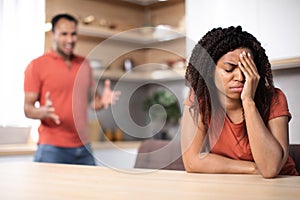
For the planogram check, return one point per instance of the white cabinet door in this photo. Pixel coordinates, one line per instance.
(275, 23)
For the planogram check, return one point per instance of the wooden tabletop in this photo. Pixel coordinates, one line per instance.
(56, 181)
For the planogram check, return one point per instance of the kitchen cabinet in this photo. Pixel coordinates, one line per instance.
(280, 40)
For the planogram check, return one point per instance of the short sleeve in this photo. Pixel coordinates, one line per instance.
(31, 78)
(279, 106)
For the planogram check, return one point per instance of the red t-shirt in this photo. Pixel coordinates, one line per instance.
(233, 143)
(69, 88)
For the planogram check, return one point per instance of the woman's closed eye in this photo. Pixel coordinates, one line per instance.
(229, 70)
(230, 66)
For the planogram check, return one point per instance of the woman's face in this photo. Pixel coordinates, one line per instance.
(229, 79)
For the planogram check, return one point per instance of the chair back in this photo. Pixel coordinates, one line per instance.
(159, 154)
(295, 154)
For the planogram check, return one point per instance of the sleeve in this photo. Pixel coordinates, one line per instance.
(279, 106)
(32, 81)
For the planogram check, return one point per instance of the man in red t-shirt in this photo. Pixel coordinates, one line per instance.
(62, 83)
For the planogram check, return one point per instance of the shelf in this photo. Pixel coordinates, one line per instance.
(94, 31)
(283, 64)
(144, 35)
(140, 76)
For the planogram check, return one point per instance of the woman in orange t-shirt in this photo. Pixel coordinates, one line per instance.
(234, 119)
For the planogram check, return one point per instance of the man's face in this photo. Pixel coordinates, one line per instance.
(65, 37)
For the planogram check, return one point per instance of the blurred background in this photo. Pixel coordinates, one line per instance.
(142, 46)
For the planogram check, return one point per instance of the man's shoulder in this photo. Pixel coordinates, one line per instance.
(46, 56)
(42, 61)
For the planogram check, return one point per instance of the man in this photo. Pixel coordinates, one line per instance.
(62, 83)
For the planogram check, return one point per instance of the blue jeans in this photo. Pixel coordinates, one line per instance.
(51, 154)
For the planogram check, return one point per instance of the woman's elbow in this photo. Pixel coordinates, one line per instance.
(189, 165)
(188, 168)
(271, 170)
(269, 173)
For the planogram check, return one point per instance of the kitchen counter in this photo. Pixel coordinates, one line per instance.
(119, 155)
(29, 149)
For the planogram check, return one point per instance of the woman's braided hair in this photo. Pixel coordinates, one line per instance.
(201, 68)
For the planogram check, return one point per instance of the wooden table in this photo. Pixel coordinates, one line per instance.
(55, 181)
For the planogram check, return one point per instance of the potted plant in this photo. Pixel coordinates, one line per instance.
(170, 112)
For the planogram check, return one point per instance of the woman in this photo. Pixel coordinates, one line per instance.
(234, 120)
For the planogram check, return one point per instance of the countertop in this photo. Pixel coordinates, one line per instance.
(29, 149)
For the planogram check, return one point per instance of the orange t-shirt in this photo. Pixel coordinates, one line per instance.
(233, 143)
(69, 88)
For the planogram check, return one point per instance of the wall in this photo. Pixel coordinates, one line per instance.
(172, 15)
(274, 22)
(288, 80)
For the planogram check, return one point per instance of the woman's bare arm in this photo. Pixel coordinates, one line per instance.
(192, 139)
(269, 145)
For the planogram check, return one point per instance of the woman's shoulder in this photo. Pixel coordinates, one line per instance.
(278, 91)
(279, 105)
(279, 96)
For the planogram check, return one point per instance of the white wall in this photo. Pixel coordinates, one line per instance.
(288, 81)
(275, 23)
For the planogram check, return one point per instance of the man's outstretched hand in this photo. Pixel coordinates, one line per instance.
(107, 97)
